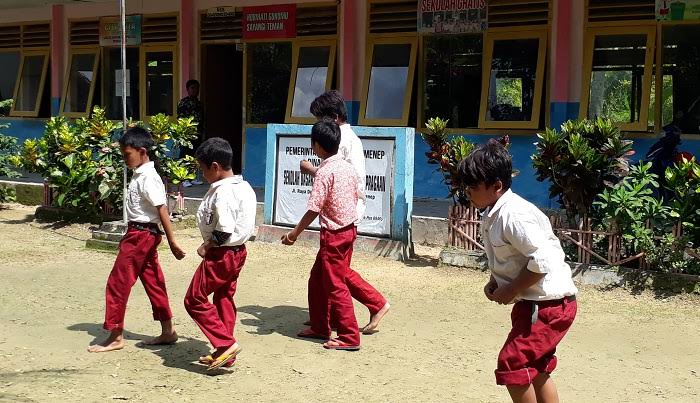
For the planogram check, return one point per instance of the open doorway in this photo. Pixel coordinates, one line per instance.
(222, 94)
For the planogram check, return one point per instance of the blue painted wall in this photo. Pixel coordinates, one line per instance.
(255, 154)
(23, 128)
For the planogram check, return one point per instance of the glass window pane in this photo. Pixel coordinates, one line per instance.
(512, 81)
(681, 71)
(29, 83)
(310, 82)
(388, 81)
(79, 82)
(616, 77)
(10, 64)
(453, 74)
(113, 79)
(159, 83)
(269, 71)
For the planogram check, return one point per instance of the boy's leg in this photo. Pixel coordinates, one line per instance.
(122, 277)
(336, 257)
(318, 303)
(223, 297)
(153, 282)
(368, 296)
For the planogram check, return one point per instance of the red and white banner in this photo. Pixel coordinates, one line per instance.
(269, 22)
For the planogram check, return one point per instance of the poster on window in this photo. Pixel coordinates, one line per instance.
(270, 22)
(119, 81)
(677, 10)
(452, 16)
(293, 188)
(110, 31)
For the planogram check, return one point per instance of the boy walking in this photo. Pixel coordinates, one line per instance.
(334, 199)
(330, 105)
(528, 268)
(226, 219)
(138, 250)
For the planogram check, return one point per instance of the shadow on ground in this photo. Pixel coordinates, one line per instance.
(181, 355)
(286, 320)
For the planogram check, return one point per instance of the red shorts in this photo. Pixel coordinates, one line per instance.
(529, 349)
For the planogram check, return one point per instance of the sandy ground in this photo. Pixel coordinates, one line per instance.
(438, 343)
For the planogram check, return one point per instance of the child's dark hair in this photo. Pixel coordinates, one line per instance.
(487, 163)
(326, 133)
(137, 137)
(213, 150)
(330, 104)
(191, 83)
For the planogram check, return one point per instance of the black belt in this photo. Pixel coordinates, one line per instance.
(146, 226)
(536, 305)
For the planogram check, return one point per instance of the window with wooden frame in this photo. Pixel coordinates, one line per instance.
(158, 75)
(513, 79)
(112, 78)
(31, 78)
(80, 82)
(268, 68)
(617, 74)
(10, 58)
(313, 63)
(388, 87)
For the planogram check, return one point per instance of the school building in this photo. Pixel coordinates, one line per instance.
(491, 67)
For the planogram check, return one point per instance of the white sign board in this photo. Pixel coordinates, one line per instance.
(292, 187)
(118, 80)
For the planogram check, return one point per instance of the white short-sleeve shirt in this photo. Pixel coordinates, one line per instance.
(146, 193)
(352, 151)
(518, 236)
(229, 206)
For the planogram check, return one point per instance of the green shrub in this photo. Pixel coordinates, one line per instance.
(8, 146)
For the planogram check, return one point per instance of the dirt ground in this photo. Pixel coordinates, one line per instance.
(438, 343)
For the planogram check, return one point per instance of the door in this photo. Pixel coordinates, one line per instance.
(222, 94)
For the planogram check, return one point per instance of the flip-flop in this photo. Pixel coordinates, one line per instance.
(341, 346)
(310, 334)
(224, 359)
(208, 360)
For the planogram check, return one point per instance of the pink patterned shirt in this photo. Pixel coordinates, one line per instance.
(334, 194)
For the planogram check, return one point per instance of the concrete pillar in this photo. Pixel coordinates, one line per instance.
(566, 58)
(58, 47)
(187, 43)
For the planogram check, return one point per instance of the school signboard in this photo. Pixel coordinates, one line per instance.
(452, 16)
(292, 187)
(270, 22)
(110, 31)
(677, 10)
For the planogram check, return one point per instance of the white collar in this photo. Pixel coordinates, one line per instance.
(145, 167)
(231, 179)
(500, 202)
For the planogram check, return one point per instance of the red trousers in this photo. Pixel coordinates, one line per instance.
(217, 274)
(137, 259)
(529, 349)
(329, 275)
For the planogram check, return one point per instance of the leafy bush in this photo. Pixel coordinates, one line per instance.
(683, 180)
(7, 147)
(83, 162)
(580, 161)
(6, 106)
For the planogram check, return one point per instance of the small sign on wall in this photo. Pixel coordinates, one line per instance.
(269, 22)
(452, 16)
(110, 31)
(221, 12)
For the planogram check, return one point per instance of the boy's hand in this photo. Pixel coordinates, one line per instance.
(289, 238)
(489, 288)
(307, 167)
(177, 251)
(504, 295)
(202, 250)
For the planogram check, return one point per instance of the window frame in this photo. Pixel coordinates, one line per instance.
(19, 52)
(143, 90)
(296, 48)
(490, 38)
(42, 82)
(93, 50)
(588, 46)
(388, 39)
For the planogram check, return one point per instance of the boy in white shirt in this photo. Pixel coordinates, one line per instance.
(528, 268)
(138, 250)
(226, 219)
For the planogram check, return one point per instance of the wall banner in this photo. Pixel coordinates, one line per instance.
(452, 16)
(269, 22)
(292, 187)
(677, 10)
(110, 34)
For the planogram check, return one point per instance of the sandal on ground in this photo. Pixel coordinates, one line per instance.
(224, 359)
(339, 345)
(208, 360)
(310, 334)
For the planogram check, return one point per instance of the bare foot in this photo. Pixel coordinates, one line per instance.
(163, 339)
(371, 327)
(114, 342)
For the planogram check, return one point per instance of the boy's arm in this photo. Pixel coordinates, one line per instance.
(507, 293)
(168, 228)
(306, 220)
(307, 167)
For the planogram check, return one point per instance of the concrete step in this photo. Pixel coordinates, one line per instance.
(103, 245)
(107, 236)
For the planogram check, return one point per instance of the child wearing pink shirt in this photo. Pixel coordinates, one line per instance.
(334, 200)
